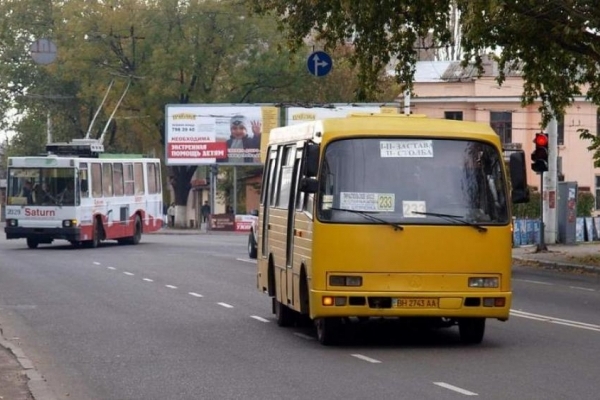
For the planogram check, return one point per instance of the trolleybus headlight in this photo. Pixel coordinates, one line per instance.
(69, 223)
(12, 222)
(342, 280)
(481, 282)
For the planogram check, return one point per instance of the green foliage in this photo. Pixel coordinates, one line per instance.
(225, 186)
(530, 210)
(553, 45)
(586, 204)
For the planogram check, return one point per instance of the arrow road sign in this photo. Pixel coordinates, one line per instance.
(319, 63)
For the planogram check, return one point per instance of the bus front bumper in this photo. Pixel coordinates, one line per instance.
(43, 234)
(486, 304)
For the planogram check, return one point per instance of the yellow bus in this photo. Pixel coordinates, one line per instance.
(379, 215)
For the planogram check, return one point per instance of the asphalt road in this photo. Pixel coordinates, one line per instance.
(179, 317)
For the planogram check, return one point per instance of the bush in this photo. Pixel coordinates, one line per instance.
(585, 204)
(530, 210)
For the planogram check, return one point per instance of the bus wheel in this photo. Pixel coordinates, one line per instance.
(328, 330)
(283, 314)
(471, 330)
(32, 243)
(137, 233)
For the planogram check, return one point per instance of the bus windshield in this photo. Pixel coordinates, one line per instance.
(42, 187)
(412, 181)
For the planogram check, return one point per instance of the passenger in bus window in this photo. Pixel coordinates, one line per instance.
(27, 192)
(67, 196)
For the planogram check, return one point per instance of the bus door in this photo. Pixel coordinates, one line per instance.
(294, 170)
(267, 201)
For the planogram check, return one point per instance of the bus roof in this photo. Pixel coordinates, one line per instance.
(53, 161)
(359, 124)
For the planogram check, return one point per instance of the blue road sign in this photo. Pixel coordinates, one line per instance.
(319, 63)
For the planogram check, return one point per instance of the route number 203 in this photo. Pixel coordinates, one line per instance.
(410, 207)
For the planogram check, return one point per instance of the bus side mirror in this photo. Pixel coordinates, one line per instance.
(518, 178)
(309, 185)
(311, 160)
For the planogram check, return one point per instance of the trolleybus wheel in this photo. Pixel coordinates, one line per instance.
(471, 330)
(328, 330)
(137, 233)
(32, 243)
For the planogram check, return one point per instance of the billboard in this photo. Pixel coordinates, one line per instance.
(229, 134)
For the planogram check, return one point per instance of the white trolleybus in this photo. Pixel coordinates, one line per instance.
(80, 194)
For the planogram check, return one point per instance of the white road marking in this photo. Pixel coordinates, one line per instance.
(112, 268)
(558, 321)
(261, 319)
(303, 336)
(96, 263)
(365, 358)
(171, 286)
(583, 288)
(195, 294)
(225, 305)
(455, 389)
(148, 280)
(536, 282)
(128, 273)
(248, 260)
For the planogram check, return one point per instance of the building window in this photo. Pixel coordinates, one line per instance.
(597, 179)
(501, 123)
(457, 115)
(560, 131)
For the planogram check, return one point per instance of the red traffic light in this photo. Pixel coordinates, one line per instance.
(541, 139)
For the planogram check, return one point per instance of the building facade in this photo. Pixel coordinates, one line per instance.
(446, 90)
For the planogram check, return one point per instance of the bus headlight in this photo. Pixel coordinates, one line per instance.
(12, 222)
(69, 223)
(483, 282)
(343, 280)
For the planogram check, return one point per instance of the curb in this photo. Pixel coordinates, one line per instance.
(558, 265)
(35, 381)
(184, 232)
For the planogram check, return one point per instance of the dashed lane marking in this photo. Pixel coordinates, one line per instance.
(225, 305)
(365, 358)
(96, 263)
(261, 319)
(171, 286)
(195, 294)
(455, 389)
(247, 260)
(148, 280)
(128, 273)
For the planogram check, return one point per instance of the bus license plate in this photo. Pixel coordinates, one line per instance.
(416, 303)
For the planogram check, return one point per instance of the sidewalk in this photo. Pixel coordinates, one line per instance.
(579, 257)
(192, 231)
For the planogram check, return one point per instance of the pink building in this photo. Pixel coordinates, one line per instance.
(445, 90)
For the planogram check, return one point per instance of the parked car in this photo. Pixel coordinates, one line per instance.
(253, 236)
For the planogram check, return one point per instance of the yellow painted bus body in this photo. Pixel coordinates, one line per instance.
(419, 271)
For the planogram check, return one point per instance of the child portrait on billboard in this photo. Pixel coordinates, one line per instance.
(241, 146)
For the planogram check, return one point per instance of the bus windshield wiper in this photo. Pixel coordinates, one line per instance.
(455, 218)
(367, 215)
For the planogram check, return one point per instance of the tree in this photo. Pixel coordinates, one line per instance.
(555, 45)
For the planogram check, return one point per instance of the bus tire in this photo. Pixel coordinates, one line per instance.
(283, 314)
(328, 330)
(471, 330)
(137, 231)
(252, 249)
(32, 243)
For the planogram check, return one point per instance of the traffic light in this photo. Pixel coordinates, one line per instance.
(539, 157)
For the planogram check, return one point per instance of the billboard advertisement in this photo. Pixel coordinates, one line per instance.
(229, 134)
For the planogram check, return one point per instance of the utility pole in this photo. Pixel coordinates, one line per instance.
(550, 185)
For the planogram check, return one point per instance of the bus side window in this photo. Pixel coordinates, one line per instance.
(83, 180)
(138, 178)
(97, 180)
